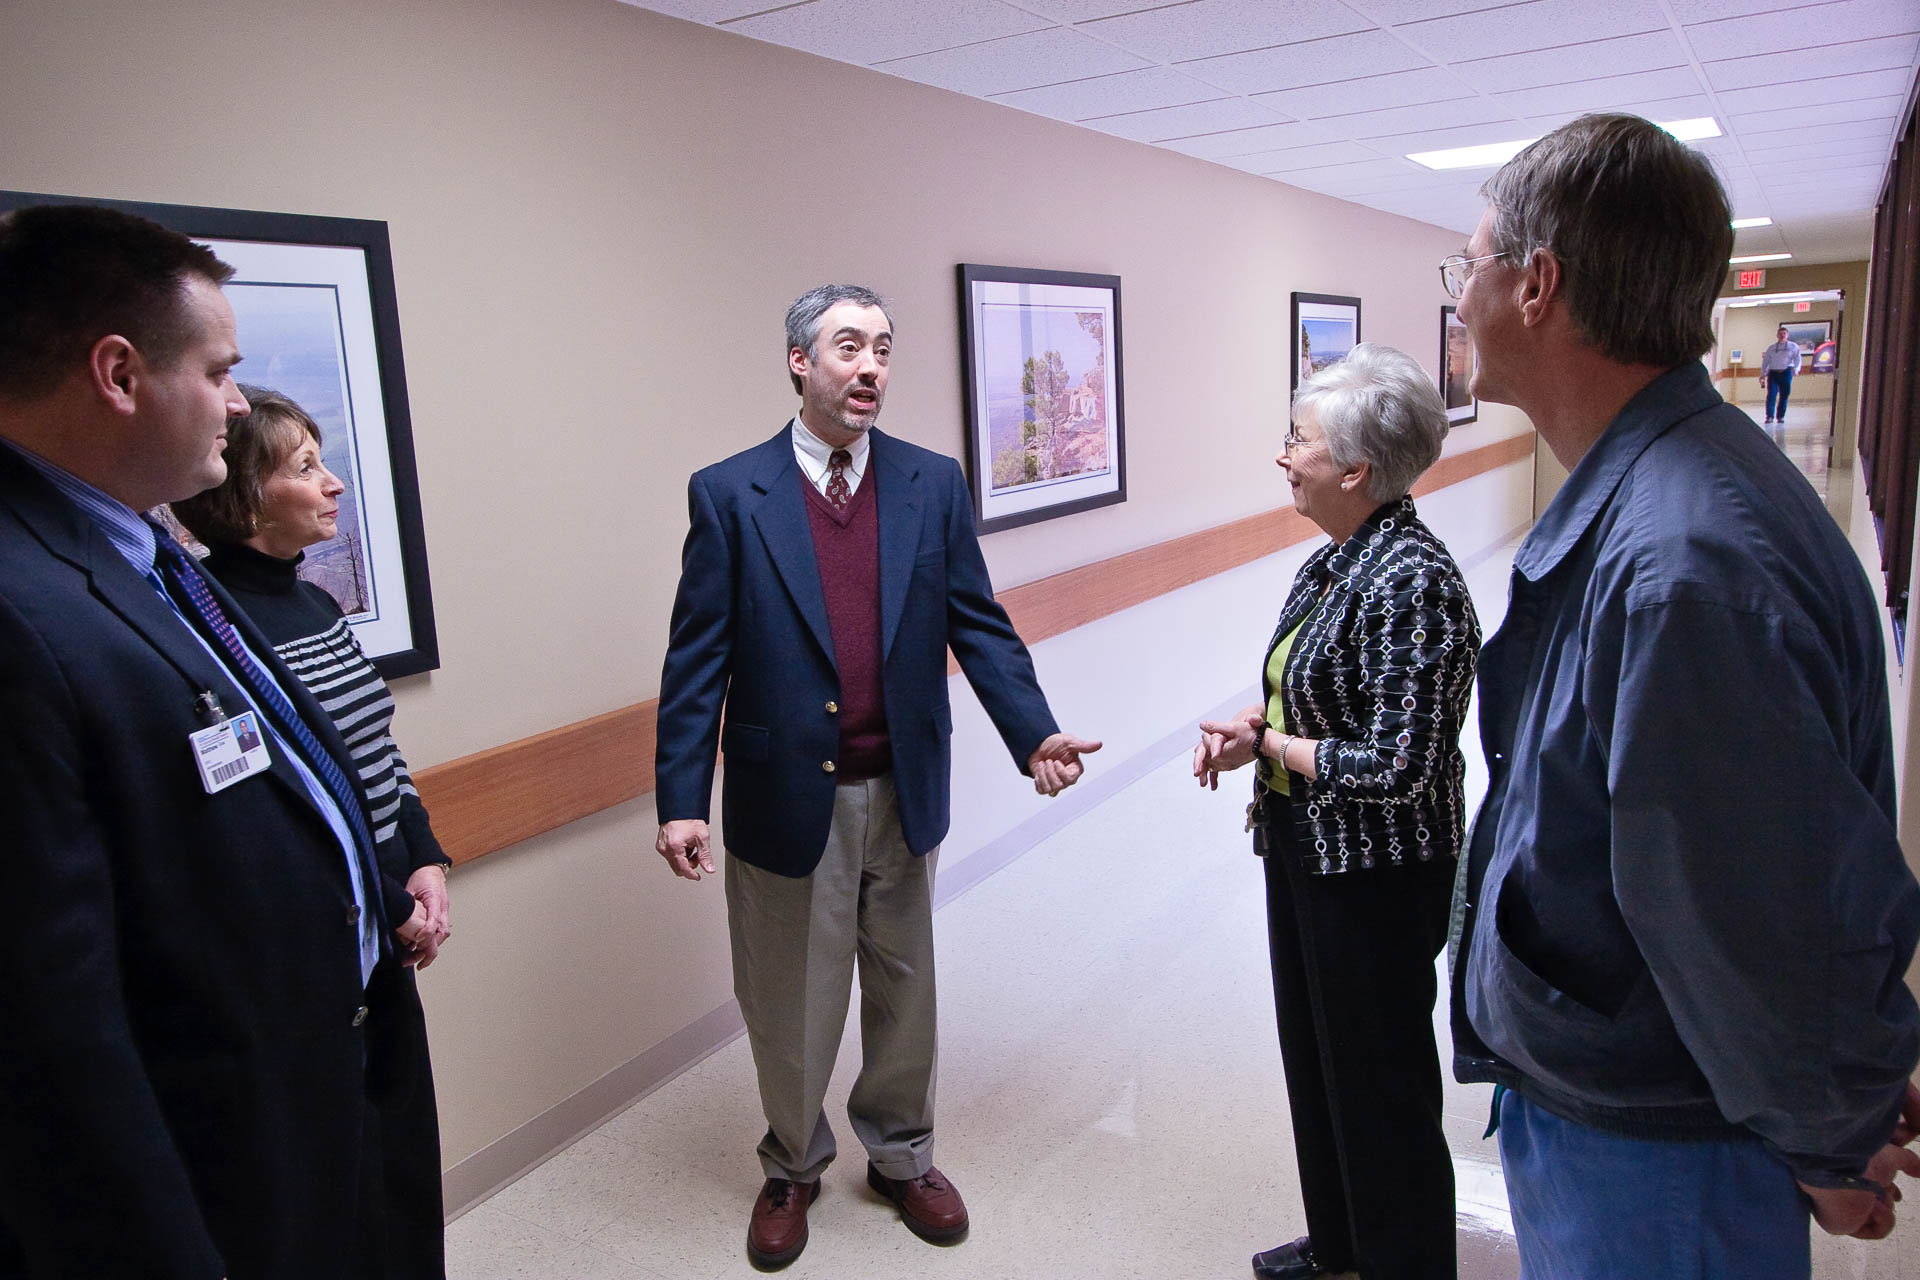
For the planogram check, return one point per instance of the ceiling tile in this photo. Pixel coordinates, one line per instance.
(1537, 25)
(1841, 112)
(1303, 157)
(1603, 94)
(1240, 142)
(1368, 53)
(1392, 12)
(700, 10)
(1015, 62)
(1187, 122)
(1467, 136)
(1431, 115)
(1798, 28)
(1889, 53)
(1709, 10)
(1834, 176)
(870, 31)
(1849, 131)
(1109, 95)
(1820, 150)
(1370, 93)
(1377, 178)
(1805, 93)
(1204, 28)
(1082, 10)
(1615, 57)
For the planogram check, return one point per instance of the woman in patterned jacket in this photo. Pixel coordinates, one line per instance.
(277, 500)
(1358, 811)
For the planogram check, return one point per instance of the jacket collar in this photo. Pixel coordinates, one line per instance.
(1344, 559)
(1675, 395)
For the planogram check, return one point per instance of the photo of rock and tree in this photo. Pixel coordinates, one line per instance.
(1046, 390)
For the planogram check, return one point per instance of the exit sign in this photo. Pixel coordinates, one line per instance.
(1802, 306)
(1750, 280)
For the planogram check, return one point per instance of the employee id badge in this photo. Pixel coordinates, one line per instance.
(229, 751)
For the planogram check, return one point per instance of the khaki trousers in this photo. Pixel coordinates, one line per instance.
(794, 946)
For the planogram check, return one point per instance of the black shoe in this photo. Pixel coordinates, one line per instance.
(1288, 1262)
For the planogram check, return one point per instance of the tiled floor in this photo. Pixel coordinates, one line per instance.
(1804, 436)
(1110, 1096)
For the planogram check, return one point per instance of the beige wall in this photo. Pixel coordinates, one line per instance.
(598, 215)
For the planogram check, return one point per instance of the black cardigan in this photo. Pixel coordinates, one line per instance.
(1381, 673)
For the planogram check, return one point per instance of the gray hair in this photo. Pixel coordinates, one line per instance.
(1639, 223)
(1377, 406)
(803, 317)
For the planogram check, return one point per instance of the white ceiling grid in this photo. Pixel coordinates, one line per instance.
(1331, 95)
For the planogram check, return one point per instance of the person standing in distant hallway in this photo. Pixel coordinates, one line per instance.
(1778, 365)
(825, 576)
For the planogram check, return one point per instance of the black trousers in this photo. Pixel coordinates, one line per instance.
(1353, 985)
(402, 1220)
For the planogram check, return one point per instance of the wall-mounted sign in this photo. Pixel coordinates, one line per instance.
(1802, 306)
(1755, 279)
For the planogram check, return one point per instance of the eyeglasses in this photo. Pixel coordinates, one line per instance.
(1292, 440)
(1455, 271)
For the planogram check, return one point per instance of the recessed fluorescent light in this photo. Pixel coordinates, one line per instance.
(1758, 257)
(1693, 130)
(1742, 223)
(1490, 154)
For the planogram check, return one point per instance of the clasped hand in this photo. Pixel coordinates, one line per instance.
(1226, 745)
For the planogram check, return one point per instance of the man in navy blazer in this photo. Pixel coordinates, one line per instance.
(826, 574)
(182, 1088)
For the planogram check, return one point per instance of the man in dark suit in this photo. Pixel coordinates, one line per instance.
(188, 937)
(825, 576)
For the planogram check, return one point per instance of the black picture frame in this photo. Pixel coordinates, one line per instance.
(353, 258)
(1063, 327)
(1334, 315)
(1457, 358)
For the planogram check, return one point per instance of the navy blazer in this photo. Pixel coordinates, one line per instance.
(750, 630)
(182, 1089)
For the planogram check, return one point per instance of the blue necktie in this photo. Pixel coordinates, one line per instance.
(182, 572)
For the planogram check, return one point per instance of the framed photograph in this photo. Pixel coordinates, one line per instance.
(1040, 367)
(314, 304)
(1456, 368)
(1325, 327)
(1812, 335)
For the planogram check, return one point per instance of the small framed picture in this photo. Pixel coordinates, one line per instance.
(1456, 368)
(1040, 366)
(1325, 327)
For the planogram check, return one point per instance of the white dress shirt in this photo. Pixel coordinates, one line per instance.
(813, 455)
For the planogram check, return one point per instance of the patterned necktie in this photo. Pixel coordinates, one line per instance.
(182, 573)
(839, 492)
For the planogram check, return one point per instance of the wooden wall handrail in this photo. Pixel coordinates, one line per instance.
(506, 794)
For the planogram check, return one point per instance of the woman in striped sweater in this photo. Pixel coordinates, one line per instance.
(277, 500)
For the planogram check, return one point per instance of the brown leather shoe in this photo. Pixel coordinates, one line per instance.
(778, 1230)
(929, 1204)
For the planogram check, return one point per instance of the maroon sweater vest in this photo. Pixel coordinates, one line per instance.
(846, 544)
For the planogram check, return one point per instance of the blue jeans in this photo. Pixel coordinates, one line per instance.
(1779, 386)
(1591, 1205)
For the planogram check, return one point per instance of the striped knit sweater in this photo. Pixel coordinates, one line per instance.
(310, 635)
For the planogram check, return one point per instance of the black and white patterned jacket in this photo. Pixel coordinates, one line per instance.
(1381, 674)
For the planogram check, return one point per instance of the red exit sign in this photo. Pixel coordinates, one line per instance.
(1799, 307)
(1750, 279)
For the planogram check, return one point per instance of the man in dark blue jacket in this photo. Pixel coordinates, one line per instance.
(191, 925)
(1687, 913)
(825, 576)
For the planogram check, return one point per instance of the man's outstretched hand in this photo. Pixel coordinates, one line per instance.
(1055, 763)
